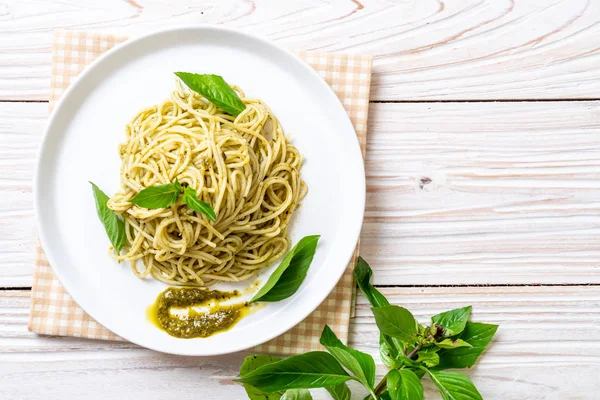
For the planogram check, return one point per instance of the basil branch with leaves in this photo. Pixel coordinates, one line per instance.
(410, 351)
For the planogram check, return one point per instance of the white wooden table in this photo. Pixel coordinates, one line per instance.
(483, 174)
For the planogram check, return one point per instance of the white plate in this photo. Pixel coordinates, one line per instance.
(80, 145)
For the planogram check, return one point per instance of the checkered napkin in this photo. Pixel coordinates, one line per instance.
(53, 312)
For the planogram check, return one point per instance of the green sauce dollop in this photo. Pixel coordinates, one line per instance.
(195, 324)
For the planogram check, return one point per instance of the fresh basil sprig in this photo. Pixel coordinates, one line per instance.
(215, 89)
(113, 224)
(411, 351)
(288, 276)
(162, 196)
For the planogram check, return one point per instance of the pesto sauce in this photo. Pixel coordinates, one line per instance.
(195, 324)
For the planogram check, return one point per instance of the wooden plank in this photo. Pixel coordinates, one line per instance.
(426, 49)
(546, 346)
(483, 193)
(21, 128)
(458, 193)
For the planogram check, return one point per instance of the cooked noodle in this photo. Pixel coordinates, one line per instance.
(244, 167)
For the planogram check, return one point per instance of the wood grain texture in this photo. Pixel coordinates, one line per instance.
(458, 193)
(426, 49)
(546, 347)
(478, 193)
(21, 128)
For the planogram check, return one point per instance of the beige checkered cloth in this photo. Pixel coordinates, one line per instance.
(53, 312)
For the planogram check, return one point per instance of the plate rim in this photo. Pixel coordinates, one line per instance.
(43, 148)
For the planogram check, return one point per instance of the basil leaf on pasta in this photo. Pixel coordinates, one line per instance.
(215, 89)
(114, 226)
(190, 197)
(160, 196)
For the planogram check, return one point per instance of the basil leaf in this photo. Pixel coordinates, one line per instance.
(296, 394)
(339, 392)
(250, 364)
(215, 89)
(404, 385)
(389, 348)
(404, 362)
(418, 372)
(160, 196)
(454, 386)
(360, 364)
(452, 344)
(362, 274)
(288, 276)
(113, 225)
(397, 322)
(178, 185)
(190, 197)
(478, 335)
(453, 322)
(429, 358)
(383, 396)
(314, 369)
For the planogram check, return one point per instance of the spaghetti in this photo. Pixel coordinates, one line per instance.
(243, 167)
